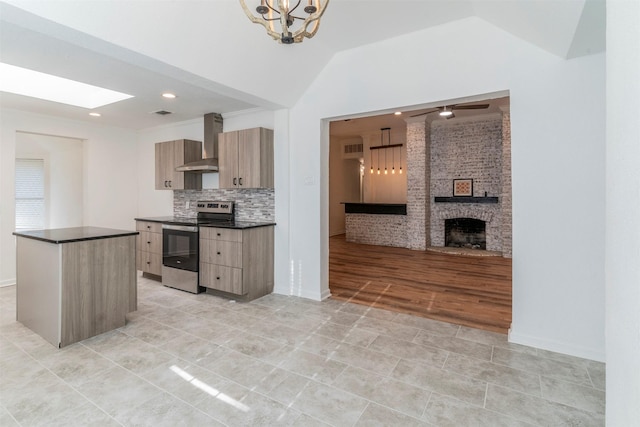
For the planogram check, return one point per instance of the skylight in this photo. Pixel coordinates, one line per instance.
(31, 83)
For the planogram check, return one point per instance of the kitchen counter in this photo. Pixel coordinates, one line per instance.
(240, 225)
(75, 283)
(74, 234)
(381, 224)
(375, 208)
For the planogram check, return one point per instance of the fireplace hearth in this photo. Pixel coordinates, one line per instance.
(465, 233)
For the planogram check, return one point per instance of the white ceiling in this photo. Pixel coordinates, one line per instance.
(214, 59)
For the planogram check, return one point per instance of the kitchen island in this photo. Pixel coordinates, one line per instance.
(75, 283)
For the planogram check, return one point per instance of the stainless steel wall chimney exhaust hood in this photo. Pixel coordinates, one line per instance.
(209, 163)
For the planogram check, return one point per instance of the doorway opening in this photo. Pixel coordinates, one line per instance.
(444, 278)
(49, 184)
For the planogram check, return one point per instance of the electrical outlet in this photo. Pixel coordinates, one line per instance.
(187, 205)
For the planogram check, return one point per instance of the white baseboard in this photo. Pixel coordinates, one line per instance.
(558, 347)
(303, 293)
(7, 282)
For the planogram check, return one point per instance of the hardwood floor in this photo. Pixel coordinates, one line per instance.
(466, 290)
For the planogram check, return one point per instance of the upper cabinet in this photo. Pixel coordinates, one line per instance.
(246, 158)
(170, 155)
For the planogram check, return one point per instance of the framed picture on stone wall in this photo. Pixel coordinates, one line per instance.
(463, 187)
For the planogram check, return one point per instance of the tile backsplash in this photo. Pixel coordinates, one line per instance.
(250, 204)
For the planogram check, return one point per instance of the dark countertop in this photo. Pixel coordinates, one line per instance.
(176, 220)
(193, 221)
(73, 234)
(375, 208)
(239, 224)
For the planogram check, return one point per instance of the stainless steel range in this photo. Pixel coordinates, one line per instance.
(180, 244)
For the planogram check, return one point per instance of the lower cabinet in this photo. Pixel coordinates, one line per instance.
(237, 261)
(149, 247)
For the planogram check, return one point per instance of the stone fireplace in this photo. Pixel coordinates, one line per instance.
(478, 149)
(489, 214)
(465, 233)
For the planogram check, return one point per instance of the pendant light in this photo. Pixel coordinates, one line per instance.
(371, 161)
(393, 161)
(385, 153)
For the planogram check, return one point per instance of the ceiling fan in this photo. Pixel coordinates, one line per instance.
(447, 110)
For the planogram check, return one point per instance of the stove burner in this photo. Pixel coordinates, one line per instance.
(213, 212)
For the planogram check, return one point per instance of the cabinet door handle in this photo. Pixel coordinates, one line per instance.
(218, 234)
(148, 243)
(235, 181)
(218, 253)
(165, 184)
(240, 181)
(148, 262)
(169, 184)
(217, 278)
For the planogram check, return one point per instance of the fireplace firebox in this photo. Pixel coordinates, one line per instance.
(465, 233)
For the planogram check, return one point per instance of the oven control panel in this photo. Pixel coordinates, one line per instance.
(215, 207)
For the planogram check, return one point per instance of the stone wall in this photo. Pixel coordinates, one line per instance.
(505, 197)
(250, 204)
(470, 148)
(417, 183)
(382, 230)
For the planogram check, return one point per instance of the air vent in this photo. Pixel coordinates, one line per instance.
(162, 112)
(352, 150)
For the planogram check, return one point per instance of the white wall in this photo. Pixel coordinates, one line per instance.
(558, 160)
(344, 182)
(623, 213)
(109, 175)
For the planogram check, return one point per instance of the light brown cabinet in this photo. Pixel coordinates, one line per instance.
(246, 158)
(238, 262)
(149, 247)
(70, 287)
(170, 155)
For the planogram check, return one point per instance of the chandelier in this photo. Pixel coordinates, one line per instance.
(292, 29)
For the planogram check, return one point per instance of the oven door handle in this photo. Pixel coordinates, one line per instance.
(188, 228)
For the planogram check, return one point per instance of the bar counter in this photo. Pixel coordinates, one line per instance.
(375, 208)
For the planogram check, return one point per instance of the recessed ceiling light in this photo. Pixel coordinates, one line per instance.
(168, 95)
(398, 113)
(57, 89)
(95, 114)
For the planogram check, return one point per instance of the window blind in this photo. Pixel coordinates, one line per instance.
(29, 194)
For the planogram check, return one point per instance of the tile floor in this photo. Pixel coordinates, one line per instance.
(196, 360)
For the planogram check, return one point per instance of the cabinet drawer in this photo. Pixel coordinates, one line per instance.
(221, 278)
(153, 227)
(221, 252)
(149, 242)
(227, 234)
(148, 262)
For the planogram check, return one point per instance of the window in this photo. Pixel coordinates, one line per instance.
(30, 213)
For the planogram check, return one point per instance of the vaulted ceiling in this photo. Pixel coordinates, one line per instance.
(216, 60)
